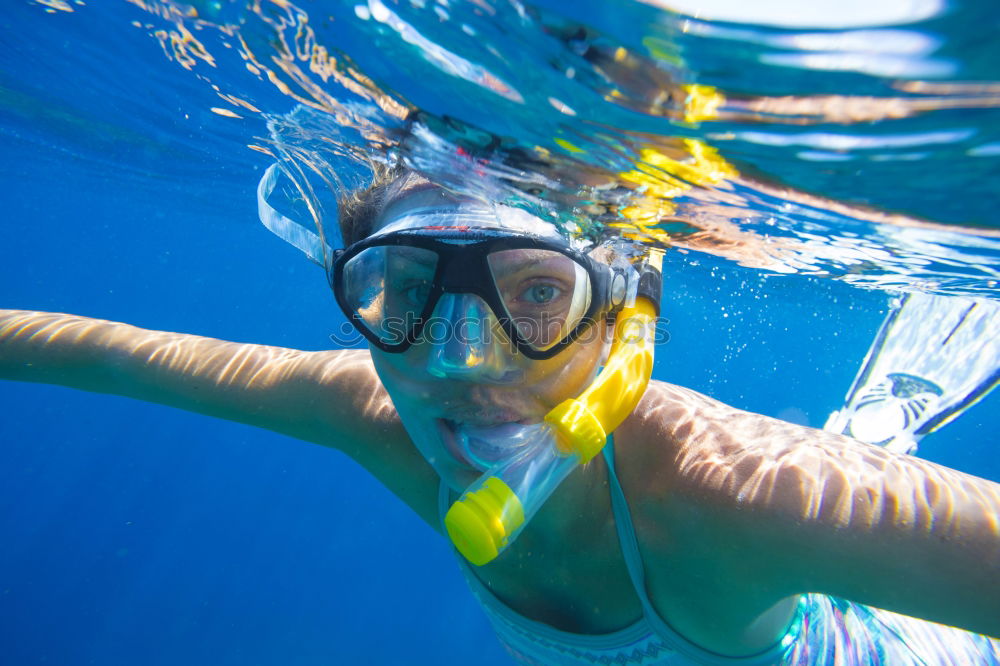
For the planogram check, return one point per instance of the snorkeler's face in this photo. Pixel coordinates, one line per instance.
(436, 394)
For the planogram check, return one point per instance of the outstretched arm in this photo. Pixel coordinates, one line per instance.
(333, 398)
(779, 509)
(893, 531)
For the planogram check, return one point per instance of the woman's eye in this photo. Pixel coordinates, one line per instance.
(541, 294)
(416, 294)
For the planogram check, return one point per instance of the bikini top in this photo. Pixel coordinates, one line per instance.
(650, 641)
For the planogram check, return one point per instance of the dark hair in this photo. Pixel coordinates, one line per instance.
(359, 208)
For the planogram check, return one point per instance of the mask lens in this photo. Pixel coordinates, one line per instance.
(388, 288)
(545, 293)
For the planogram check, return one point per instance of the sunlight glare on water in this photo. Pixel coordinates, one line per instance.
(855, 140)
(816, 14)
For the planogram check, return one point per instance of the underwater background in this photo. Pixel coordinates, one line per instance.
(132, 533)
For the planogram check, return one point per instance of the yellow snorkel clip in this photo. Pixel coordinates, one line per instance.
(491, 512)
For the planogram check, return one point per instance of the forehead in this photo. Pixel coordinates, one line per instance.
(428, 205)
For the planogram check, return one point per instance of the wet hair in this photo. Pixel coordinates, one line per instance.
(359, 209)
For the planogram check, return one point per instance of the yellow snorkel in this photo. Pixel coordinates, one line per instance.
(493, 510)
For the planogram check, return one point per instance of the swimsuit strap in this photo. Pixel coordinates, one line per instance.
(626, 532)
(648, 640)
(633, 561)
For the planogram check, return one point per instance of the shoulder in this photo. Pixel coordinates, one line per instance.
(679, 439)
(689, 462)
(706, 447)
(742, 507)
(701, 478)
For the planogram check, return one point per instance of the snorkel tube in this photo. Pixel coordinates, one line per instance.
(490, 514)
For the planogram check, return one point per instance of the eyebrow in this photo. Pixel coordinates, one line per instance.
(413, 255)
(535, 258)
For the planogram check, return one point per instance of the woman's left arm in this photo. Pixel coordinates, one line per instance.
(857, 521)
(803, 510)
(901, 533)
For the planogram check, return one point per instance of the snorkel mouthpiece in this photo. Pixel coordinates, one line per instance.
(492, 511)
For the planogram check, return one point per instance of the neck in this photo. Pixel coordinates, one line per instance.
(578, 511)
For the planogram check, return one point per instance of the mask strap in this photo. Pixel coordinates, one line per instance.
(285, 228)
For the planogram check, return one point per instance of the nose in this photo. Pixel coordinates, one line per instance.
(465, 341)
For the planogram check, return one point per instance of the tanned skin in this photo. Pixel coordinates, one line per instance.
(736, 513)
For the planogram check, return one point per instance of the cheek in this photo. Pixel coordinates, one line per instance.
(571, 372)
(401, 374)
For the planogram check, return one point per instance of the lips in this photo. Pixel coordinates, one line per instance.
(479, 405)
(482, 416)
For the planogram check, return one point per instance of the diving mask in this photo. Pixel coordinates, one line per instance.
(542, 293)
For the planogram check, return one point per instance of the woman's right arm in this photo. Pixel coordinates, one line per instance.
(333, 398)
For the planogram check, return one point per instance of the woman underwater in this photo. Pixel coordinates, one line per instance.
(701, 534)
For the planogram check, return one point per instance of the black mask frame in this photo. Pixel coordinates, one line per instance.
(463, 268)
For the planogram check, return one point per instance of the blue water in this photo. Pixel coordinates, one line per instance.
(133, 533)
